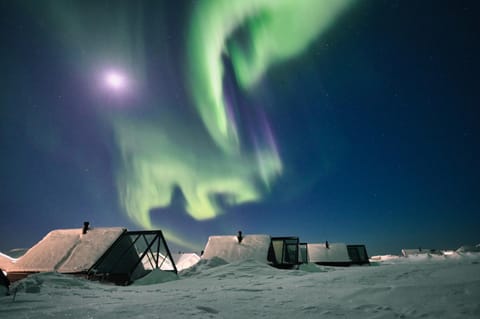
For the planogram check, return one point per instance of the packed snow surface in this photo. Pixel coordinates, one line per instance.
(424, 286)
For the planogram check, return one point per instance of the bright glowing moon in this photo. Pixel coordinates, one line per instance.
(115, 80)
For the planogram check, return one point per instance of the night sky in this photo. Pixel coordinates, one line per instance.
(339, 120)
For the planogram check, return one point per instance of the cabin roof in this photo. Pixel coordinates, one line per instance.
(67, 250)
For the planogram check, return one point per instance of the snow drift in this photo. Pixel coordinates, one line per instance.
(433, 287)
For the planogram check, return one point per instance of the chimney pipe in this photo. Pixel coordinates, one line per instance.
(239, 236)
(85, 227)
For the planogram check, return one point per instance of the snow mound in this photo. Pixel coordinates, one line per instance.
(446, 256)
(375, 260)
(49, 281)
(203, 265)
(468, 249)
(185, 260)
(156, 276)
(315, 268)
(406, 288)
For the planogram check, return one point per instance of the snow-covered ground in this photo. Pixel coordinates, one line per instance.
(393, 287)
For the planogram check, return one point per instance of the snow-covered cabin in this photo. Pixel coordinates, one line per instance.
(337, 254)
(420, 251)
(281, 252)
(111, 254)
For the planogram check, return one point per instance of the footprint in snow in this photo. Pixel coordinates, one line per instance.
(207, 309)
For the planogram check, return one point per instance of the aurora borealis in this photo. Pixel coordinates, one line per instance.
(155, 162)
(328, 119)
(276, 31)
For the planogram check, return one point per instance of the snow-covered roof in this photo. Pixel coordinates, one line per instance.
(230, 249)
(6, 261)
(336, 252)
(67, 250)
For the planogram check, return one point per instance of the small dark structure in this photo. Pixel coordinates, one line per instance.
(85, 227)
(239, 236)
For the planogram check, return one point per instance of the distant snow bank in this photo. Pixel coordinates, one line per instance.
(445, 255)
(466, 249)
(384, 258)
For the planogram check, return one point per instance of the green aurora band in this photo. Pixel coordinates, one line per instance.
(162, 151)
(277, 30)
(154, 162)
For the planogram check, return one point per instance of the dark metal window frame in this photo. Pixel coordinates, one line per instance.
(156, 263)
(306, 259)
(357, 247)
(285, 245)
